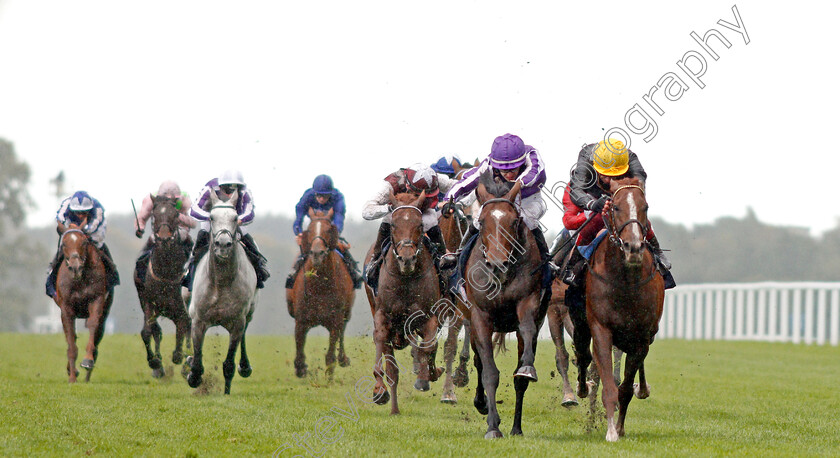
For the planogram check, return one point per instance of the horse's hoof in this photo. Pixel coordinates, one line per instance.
(300, 372)
(87, 364)
(155, 363)
(245, 371)
(639, 393)
(461, 378)
(434, 374)
(344, 362)
(177, 358)
(494, 434)
(158, 373)
(569, 401)
(515, 432)
(381, 398)
(583, 390)
(481, 407)
(529, 372)
(193, 380)
(449, 399)
(422, 385)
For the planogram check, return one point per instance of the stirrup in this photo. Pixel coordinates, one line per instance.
(449, 260)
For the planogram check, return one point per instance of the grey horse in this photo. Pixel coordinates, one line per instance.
(224, 292)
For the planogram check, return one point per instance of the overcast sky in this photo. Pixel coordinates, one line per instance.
(121, 95)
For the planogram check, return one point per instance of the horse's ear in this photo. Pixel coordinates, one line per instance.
(330, 213)
(481, 192)
(421, 199)
(311, 213)
(614, 185)
(234, 197)
(392, 199)
(214, 198)
(511, 195)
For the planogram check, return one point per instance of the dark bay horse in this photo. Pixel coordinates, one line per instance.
(503, 296)
(323, 292)
(403, 308)
(624, 299)
(160, 291)
(82, 292)
(224, 292)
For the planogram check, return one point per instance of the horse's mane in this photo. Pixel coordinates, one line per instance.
(495, 185)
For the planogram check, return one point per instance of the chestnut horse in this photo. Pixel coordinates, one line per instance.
(503, 296)
(81, 291)
(323, 292)
(160, 291)
(408, 291)
(624, 298)
(224, 292)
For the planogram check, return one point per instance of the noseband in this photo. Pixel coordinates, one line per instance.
(405, 242)
(223, 231)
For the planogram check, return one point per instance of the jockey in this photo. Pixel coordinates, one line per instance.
(446, 165)
(77, 209)
(511, 159)
(322, 196)
(597, 164)
(185, 223)
(223, 186)
(414, 179)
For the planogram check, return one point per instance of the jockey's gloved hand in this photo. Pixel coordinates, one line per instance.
(598, 204)
(139, 233)
(448, 207)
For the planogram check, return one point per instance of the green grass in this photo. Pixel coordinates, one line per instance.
(708, 399)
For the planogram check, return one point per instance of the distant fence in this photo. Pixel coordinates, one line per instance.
(773, 312)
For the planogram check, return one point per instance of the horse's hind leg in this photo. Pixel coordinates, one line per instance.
(450, 347)
(343, 360)
(489, 372)
(462, 374)
(520, 384)
(146, 335)
(229, 365)
(182, 329)
(157, 334)
(244, 365)
(617, 354)
(96, 328)
(641, 389)
(632, 363)
(561, 356)
(69, 325)
(583, 356)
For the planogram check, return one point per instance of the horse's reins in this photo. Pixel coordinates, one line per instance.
(615, 236)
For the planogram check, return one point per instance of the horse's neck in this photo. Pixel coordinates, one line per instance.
(327, 270)
(614, 266)
(223, 271)
(424, 262)
(167, 260)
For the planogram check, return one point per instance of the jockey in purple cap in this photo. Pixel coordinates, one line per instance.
(224, 186)
(81, 208)
(512, 160)
(323, 197)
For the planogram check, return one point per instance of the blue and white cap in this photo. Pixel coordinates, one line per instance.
(81, 202)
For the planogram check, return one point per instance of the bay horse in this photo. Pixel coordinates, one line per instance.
(160, 291)
(224, 292)
(502, 296)
(403, 309)
(323, 292)
(81, 291)
(624, 298)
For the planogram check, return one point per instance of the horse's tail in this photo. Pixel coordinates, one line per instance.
(499, 342)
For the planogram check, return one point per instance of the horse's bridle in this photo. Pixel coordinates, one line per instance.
(223, 231)
(615, 234)
(323, 239)
(515, 209)
(74, 255)
(405, 242)
(156, 227)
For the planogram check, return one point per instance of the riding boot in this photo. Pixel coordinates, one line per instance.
(561, 238)
(539, 237)
(372, 269)
(290, 280)
(201, 247)
(663, 261)
(573, 274)
(52, 273)
(141, 266)
(257, 259)
(449, 260)
(353, 267)
(110, 267)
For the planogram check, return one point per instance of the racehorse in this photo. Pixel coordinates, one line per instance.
(503, 296)
(624, 299)
(323, 292)
(403, 308)
(160, 291)
(224, 292)
(81, 291)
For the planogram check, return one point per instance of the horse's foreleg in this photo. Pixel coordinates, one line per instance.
(244, 364)
(199, 328)
(582, 338)
(603, 358)
(380, 334)
(69, 324)
(157, 334)
(633, 362)
(343, 360)
(462, 374)
(96, 329)
(182, 329)
(617, 354)
(300, 342)
(329, 358)
(427, 353)
(146, 335)
(392, 372)
(520, 384)
(483, 335)
(641, 389)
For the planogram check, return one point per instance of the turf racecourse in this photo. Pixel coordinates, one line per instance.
(708, 399)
